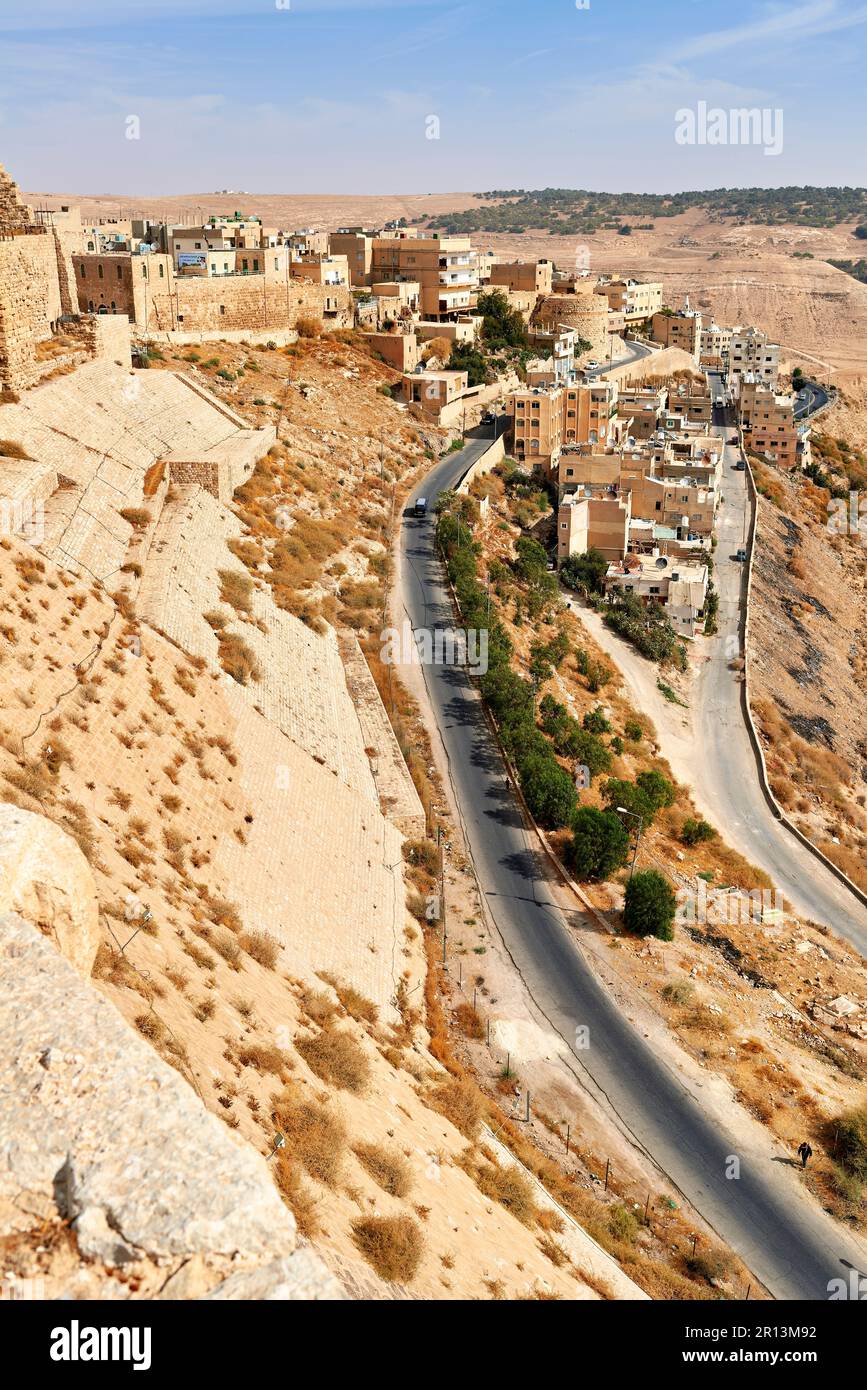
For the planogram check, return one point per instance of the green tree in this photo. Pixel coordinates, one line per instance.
(650, 905)
(694, 832)
(584, 573)
(502, 325)
(599, 844)
(467, 358)
(658, 790)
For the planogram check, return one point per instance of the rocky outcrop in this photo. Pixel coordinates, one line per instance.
(46, 879)
(96, 1128)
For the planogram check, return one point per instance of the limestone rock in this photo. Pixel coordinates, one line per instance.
(46, 879)
(95, 1125)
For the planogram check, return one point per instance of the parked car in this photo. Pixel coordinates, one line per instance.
(592, 365)
(740, 466)
(420, 508)
(740, 553)
(734, 440)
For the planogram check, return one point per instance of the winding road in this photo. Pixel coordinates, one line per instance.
(763, 1213)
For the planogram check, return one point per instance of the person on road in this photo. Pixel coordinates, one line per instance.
(804, 1152)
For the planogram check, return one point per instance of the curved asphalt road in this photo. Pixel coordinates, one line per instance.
(793, 1247)
(726, 776)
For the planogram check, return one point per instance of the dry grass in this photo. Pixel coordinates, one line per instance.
(460, 1102)
(363, 1010)
(297, 1196)
(265, 1059)
(336, 1058)
(236, 589)
(263, 948)
(237, 659)
(315, 1135)
(387, 1168)
(137, 517)
(393, 1245)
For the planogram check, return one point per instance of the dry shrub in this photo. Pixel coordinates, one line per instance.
(237, 659)
(459, 1101)
(511, 1188)
(264, 1059)
(263, 948)
(315, 1135)
(236, 589)
(363, 1010)
(138, 517)
(318, 1006)
(229, 949)
(297, 1196)
(391, 1244)
(335, 1057)
(387, 1168)
(33, 779)
(10, 450)
(469, 1021)
(308, 327)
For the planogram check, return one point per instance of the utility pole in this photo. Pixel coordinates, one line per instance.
(634, 816)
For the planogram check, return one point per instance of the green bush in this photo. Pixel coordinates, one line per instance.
(599, 844)
(584, 573)
(851, 1142)
(595, 721)
(658, 790)
(650, 905)
(694, 832)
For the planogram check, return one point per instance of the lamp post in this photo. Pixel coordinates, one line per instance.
(634, 815)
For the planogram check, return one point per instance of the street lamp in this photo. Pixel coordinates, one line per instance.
(623, 812)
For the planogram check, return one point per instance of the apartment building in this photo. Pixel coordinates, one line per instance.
(356, 244)
(523, 277)
(598, 521)
(430, 393)
(320, 270)
(445, 268)
(751, 353)
(678, 329)
(691, 401)
(590, 413)
(548, 414)
(396, 300)
(536, 422)
(643, 407)
(715, 346)
(557, 352)
(679, 586)
(636, 300)
(769, 425)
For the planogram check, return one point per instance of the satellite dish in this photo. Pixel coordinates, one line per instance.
(662, 563)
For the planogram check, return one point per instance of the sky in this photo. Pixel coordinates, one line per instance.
(416, 96)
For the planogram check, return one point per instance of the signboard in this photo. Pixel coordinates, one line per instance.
(188, 258)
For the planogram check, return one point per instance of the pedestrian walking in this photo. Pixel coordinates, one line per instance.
(804, 1152)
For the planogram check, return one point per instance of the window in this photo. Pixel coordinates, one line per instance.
(162, 271)
(222, 308)
(119, 270)
(99, 272)
(83, 271)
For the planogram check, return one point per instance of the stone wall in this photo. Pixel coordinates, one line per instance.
(30, 302)
(251, 302)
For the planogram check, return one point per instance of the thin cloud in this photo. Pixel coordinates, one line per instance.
(793, 26)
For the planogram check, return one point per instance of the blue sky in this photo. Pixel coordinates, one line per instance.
(326, 96)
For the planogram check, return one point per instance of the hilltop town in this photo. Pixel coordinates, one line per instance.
(280, 906)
